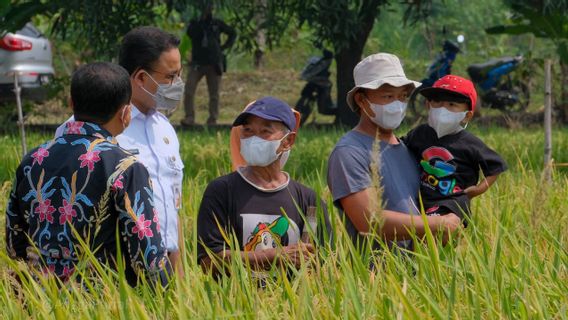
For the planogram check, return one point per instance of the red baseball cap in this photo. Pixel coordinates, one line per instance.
(452, 88)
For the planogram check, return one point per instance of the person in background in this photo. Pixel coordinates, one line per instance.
(152, 58)
(82, 188)
(207, 59)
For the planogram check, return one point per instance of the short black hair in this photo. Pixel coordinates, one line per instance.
(141, 47)
(98, 90)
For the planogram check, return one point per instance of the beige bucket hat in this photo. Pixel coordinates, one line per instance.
(376, 70)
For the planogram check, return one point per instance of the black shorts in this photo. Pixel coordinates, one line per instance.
(458, 206)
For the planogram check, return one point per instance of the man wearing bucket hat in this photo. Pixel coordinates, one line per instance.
(450, 157)
(258, 204)
(379, 97)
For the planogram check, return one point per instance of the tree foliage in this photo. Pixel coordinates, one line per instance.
(543, 18)
(90, 24)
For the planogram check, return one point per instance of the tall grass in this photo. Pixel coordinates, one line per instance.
(511, 262)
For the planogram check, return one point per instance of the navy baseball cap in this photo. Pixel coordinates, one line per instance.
(269, 108)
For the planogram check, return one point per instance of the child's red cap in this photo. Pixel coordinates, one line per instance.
(452, 85)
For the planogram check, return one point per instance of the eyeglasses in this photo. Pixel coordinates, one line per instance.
(170, 77)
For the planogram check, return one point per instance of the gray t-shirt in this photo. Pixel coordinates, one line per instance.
(349, 171)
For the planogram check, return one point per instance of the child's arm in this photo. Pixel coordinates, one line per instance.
(480, 188)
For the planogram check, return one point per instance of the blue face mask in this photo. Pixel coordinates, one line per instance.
(260, 152)
(168, 96)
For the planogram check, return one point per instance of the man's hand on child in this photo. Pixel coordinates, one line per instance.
(450, 224)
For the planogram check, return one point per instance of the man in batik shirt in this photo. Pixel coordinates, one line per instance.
(83, 186)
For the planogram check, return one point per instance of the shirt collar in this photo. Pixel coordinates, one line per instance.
(137, 113)
(87, 129)
(282, 186)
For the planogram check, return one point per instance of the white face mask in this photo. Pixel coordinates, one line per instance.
(445, 122)
(259, 152)
(388, 116)
(168, 96)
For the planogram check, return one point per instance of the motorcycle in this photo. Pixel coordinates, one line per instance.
(318, 87)
(441, 66)
(497, 89)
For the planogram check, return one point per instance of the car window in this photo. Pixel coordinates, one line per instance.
(29, 31)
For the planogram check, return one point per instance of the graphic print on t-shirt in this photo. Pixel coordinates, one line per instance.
(438, 171)
(265, 231)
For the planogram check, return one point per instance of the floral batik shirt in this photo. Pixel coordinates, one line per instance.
(80, 190)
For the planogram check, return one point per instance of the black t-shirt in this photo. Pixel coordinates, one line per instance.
(258, 219)
(449, 165)
(205, 35)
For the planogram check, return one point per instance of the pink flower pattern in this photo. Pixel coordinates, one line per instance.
(156, 219)
(74, 127)
(39, 155)
(49, 201)
(67, 272)
(45, 210)
(67, 212)
(142, 227)
(89, 159)
(117, 184)
(47, 270)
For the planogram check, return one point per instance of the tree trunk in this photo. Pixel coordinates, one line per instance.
(346, 59)
(260, 37)
(563, 103)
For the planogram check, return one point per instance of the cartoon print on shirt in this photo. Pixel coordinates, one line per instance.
(268, 231)
(438, 171)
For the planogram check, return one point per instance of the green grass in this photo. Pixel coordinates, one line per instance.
(512, 262)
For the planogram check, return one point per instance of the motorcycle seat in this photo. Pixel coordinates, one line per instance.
(477, 71)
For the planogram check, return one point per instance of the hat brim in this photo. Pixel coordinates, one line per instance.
(241, 119)
(444, 94)
(393, 81)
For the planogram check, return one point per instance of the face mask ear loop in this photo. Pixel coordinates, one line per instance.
(122, 116)
(465, 125)
(151, 78)
(284, 137)
(365, 111)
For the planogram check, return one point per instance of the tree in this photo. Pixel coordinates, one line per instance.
(545, 19)
(346, 26)
(343, 24)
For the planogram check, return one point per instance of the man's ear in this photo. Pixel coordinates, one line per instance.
(468, 116)
(138, 77)
(289, 141)
(361, 101)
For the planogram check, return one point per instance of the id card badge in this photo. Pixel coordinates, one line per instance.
(177, 197)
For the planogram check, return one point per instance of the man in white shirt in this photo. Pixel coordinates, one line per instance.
(152, 58)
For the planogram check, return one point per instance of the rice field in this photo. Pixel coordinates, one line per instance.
(511, 262)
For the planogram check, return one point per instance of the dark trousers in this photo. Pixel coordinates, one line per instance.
(213, 78)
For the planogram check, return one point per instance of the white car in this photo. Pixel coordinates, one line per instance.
(27, 52)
